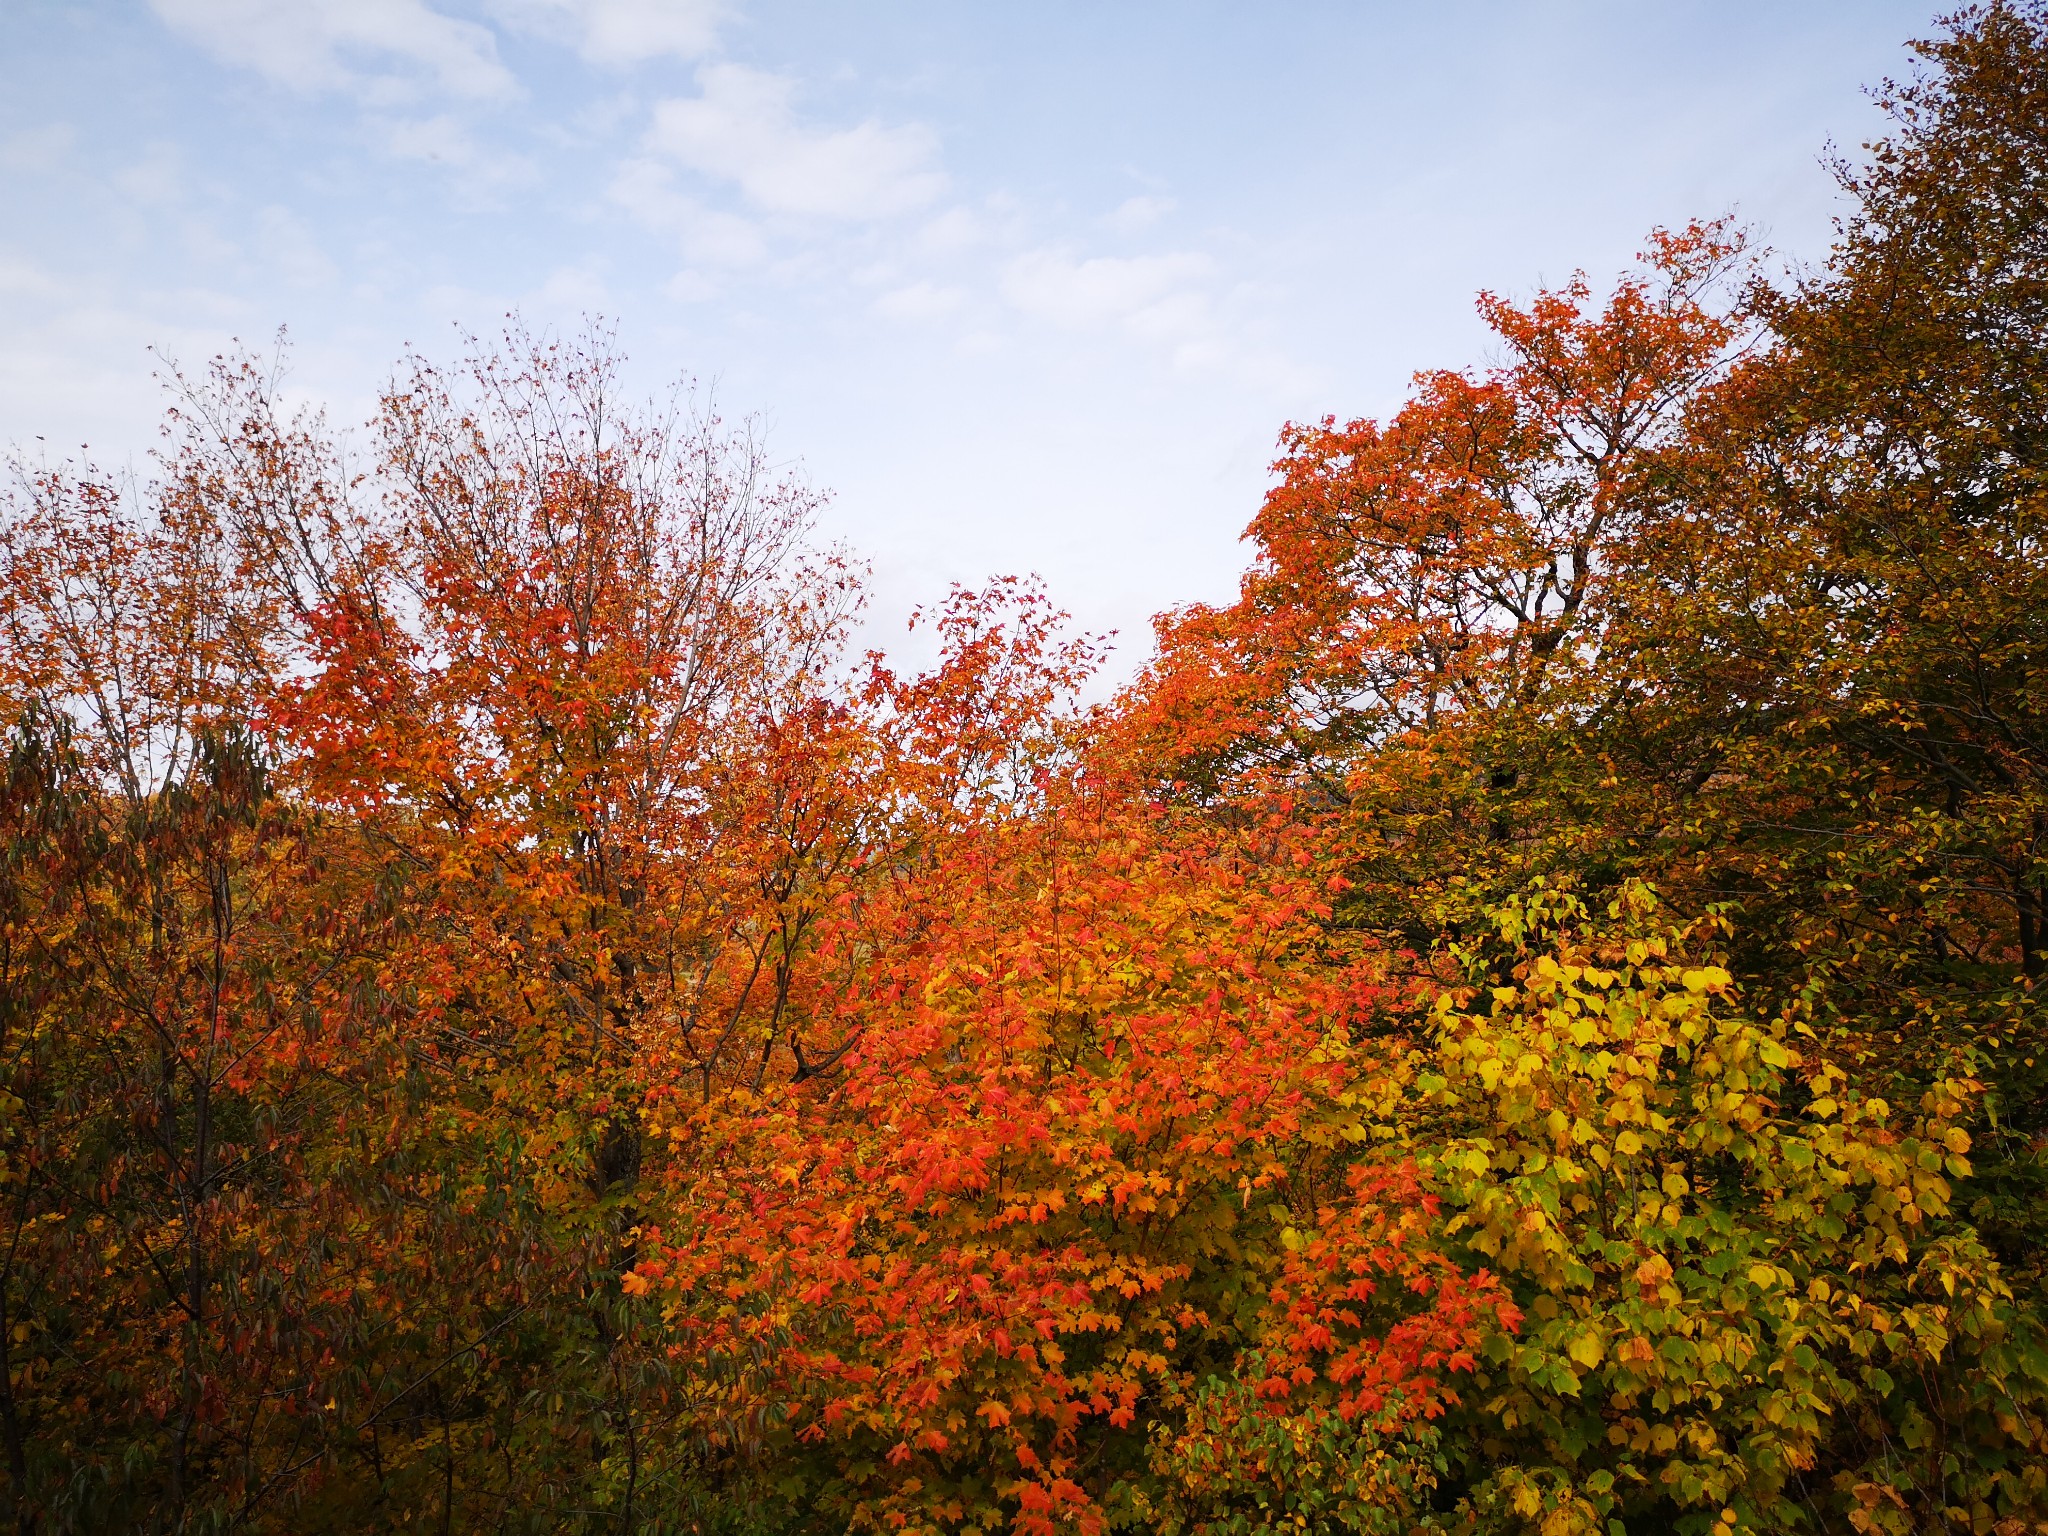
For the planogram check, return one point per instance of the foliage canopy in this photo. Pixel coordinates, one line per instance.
(1529, 1020)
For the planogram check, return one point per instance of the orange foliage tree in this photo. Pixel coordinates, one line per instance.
(1094, 1106)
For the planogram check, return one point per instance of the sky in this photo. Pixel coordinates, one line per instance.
(1025, 287)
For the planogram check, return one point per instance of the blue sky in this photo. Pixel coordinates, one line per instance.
(1028, 287)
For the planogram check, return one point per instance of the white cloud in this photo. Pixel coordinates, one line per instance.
(920, 301)
(77, 367)
(156, 179)
(1102, 289)
(317, 45)
(576, 288)
(37, 149)
(1139, 213)
(743, 129)
(1163, 300)
(20, 280)
(447, 141)
(721, 239)
(688, 287)
(622, 31)
(289, 249)
(647, 191)
(441, 139)
(952, 232)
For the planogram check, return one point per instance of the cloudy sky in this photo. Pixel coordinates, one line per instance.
(1029, 287)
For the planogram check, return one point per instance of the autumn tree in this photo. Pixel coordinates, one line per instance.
(412, 814)
(1793, 687)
